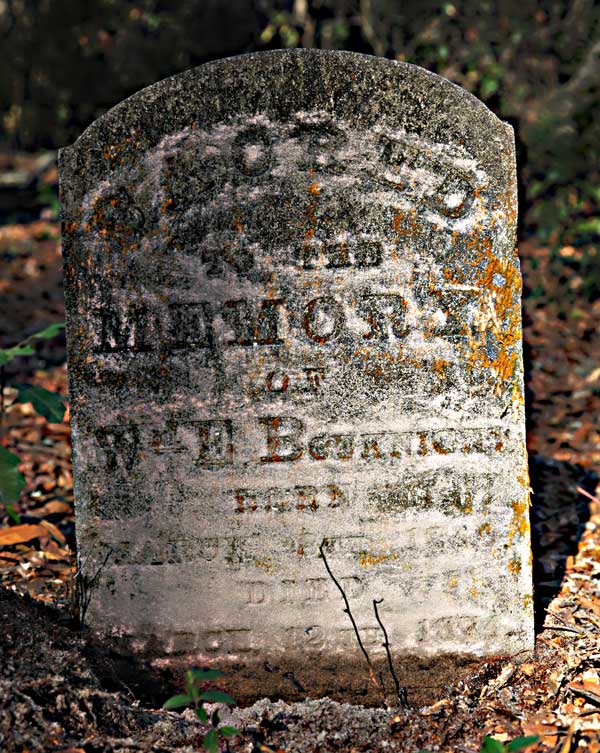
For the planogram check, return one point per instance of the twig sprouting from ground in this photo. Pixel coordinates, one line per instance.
(352, 620)
(85, 586)
(400, 691)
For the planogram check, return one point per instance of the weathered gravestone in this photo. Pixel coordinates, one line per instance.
(294, 319)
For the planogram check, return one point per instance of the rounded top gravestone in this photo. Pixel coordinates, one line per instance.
(293, 309)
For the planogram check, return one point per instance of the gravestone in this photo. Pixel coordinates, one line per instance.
(293, 304)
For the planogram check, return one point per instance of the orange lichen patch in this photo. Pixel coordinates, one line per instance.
(314, 190)
(517, 395)
(366, 559)
(453, 583)
(439, 448)
(528, 601)
(454, 277)
(69, 228)
(405, 223)
(484, 528)
(514, 566)
(439, 368)
(519, 525)
(468, 505)
(422, 445)
(265, 564)
(474, 592)
(500, 313)
(523, 479)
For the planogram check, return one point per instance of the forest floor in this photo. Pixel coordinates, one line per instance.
(61, 690)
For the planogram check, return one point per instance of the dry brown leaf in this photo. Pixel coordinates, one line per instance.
(54, 531)
(20, 534)
(55, 507)
(588, 690)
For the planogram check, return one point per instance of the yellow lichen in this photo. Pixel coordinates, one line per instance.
(514, 566)
(264, 564)
(366, 559)
(519, 525)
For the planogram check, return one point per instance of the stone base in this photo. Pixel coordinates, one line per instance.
(343, 678)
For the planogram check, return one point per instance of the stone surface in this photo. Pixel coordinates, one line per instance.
(294, 319)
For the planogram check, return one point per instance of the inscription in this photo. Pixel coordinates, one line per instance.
(343, 254)
(297, 498)
(118, 214)
(285, 442)
(215, 443)
(461, 494)
(251, 326)
(407, 159)
(252, 150)
(279, 382)
(372, 317)
(452, 629)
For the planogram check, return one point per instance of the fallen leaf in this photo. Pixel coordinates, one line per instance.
(52, 529)
(20, 534)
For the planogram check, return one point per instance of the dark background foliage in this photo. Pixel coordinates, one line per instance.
(535, 64)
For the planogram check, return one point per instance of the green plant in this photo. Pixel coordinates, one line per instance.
(48, 404)
(491, 745)
(194, 695)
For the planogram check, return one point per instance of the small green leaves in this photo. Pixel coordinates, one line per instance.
(201, 714)
(24, 347)
(51, 331)
(491, 745)
(229, 731)
(177, 701)
(197, 698)
(9, 354)
(522, 742)
(211, 741)
(12, 480)
(13, 514)
(48, 404)
(217, 696)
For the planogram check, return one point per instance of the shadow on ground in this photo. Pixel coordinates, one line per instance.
(559, 513)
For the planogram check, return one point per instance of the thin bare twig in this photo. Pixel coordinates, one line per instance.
(354, 625)
(591, 497)
(400, 691)
(85, 587)
(564, 629)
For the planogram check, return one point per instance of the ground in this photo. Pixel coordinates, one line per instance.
(62, 691)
